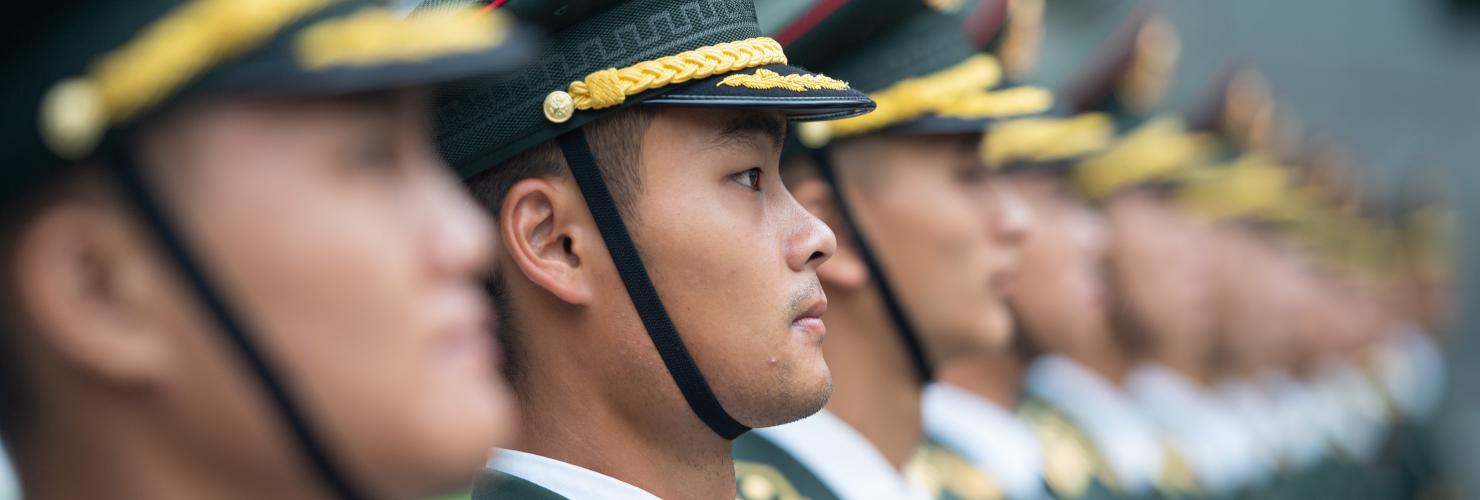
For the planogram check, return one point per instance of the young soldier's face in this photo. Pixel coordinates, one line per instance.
(734, 257)
(1260, 302)
(352, 255)
(1161, 270)
(1060, 295)
(944, 228)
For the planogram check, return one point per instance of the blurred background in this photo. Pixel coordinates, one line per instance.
(1394, 82)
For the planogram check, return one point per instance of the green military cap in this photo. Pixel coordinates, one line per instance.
(79, 75)
(604, 56)
(1128, 79)
(924, 62)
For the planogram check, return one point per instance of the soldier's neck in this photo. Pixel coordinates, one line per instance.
(1103, 358)
(996, 376)
(1189, 365)
(76, 448)
(875, 388)
(618, 425)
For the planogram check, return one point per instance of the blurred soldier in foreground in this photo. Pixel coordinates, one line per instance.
(233, 264)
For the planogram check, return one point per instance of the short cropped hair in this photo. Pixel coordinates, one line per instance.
(616, 143)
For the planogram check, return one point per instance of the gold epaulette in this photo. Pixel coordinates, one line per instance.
(944, 474)
(758, 481)
(1177, 477)
(1071, 463)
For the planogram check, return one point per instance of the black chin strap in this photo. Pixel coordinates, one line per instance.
(912, 344)
(640, 288)
(136, 191)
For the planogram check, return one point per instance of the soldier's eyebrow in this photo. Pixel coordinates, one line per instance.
(747, 126)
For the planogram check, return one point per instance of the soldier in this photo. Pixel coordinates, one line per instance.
(658, 287)
(971, 409)
(1097, 440)
(927, 242)
(233, 265)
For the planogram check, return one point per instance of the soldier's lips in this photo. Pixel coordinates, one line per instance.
(467, 339)
(809, 322)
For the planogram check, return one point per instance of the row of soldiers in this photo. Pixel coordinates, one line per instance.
(1203, 307)
(256, 249)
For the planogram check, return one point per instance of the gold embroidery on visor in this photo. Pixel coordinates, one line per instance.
(1160, 149)
(1041, 139)
(376, 36)
(959, 91)
(162, 57)
(764, 79)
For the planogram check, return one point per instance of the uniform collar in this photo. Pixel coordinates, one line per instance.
(1204, 433)
(1354, 410)
(1298, 415)
(841, 458)
(993, 438)
(1130, 445)
(9, 488)
(567, 480)
(1410, 367)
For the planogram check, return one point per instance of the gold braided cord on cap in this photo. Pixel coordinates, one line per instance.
(1157, 150)
(156, 62)
(1041, 139)
(375, 36)
(184, 43)
(766, 79)
(916, 97)
(610, 87)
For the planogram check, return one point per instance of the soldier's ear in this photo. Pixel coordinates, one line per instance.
(549, 234)
(845, 269)
(95, 293)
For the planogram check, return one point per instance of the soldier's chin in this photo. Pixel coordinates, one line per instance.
(788, 403)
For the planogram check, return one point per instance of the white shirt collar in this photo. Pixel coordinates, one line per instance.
(567, 480)
(1410, 367)
(1300, 415)
(1204, 433)
(1358, 423)
(1131, 447)
(9, 487)
(841, 458)
(1254, 412)
(989, 436)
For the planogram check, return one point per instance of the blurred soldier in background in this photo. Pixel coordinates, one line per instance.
(1098, 439)
(234, 266)
(927, 241)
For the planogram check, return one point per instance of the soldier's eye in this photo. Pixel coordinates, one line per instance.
(749, 178)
